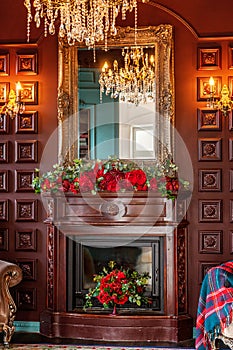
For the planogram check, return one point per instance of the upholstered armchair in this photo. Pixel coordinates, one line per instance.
(10, 275)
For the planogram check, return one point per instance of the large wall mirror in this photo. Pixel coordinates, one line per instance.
(94, 129)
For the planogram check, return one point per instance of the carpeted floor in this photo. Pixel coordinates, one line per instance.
(79, 347)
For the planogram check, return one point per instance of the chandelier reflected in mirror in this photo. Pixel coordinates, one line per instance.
(132, 83)
(87, 21)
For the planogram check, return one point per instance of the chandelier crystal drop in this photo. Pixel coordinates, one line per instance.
(87, 21)
(133, 83)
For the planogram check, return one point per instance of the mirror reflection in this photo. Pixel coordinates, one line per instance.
(93, 124)
(119, 118)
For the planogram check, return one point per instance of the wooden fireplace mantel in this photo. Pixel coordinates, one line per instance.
(123, 215)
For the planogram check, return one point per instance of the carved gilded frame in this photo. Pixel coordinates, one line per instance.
(161, 37)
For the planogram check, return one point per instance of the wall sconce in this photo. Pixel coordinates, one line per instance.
(225, 104)
(13, 106)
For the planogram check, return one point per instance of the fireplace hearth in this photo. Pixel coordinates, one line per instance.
(148, 233)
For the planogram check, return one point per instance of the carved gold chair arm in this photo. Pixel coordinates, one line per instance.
(10, 276)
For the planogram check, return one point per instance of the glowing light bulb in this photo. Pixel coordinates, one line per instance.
(211, 83)
(105, 66)
(18, 89)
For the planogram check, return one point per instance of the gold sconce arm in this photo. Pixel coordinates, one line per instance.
(13, 106)
(225, 104)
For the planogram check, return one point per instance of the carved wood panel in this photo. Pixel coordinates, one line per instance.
(26, 151)
(27, 122)
(210, 210)
(4, 125)
(28, 267)
(204, 267)
(26, 209)
(26, 298)
(4, 239)
(26, 240)
(4, 211)
(210, 180)
(210, 241)
(210, 149)
(4, 155)
(209, 119)
(4, 174)
(23, 180)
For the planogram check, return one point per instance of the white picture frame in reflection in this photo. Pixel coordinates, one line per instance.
(143, 142)
(137, 132)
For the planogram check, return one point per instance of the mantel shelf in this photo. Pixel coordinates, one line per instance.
(114, 208)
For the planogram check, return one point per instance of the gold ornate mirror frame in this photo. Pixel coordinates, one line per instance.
(161, 37)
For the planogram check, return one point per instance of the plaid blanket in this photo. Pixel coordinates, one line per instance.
(215, 304)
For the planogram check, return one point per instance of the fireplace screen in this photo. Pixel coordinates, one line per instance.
(85, 260)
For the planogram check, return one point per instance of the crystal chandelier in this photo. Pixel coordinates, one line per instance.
(87, 21)
(133, 83)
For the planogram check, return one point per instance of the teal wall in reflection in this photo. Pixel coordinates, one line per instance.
(103, 123)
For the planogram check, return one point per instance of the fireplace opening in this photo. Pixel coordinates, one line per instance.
(88, 257)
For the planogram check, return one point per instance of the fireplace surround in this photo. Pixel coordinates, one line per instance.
(128, 226)
(85, 260)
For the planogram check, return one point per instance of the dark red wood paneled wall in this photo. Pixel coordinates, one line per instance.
(210, 231)
(22, 140)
